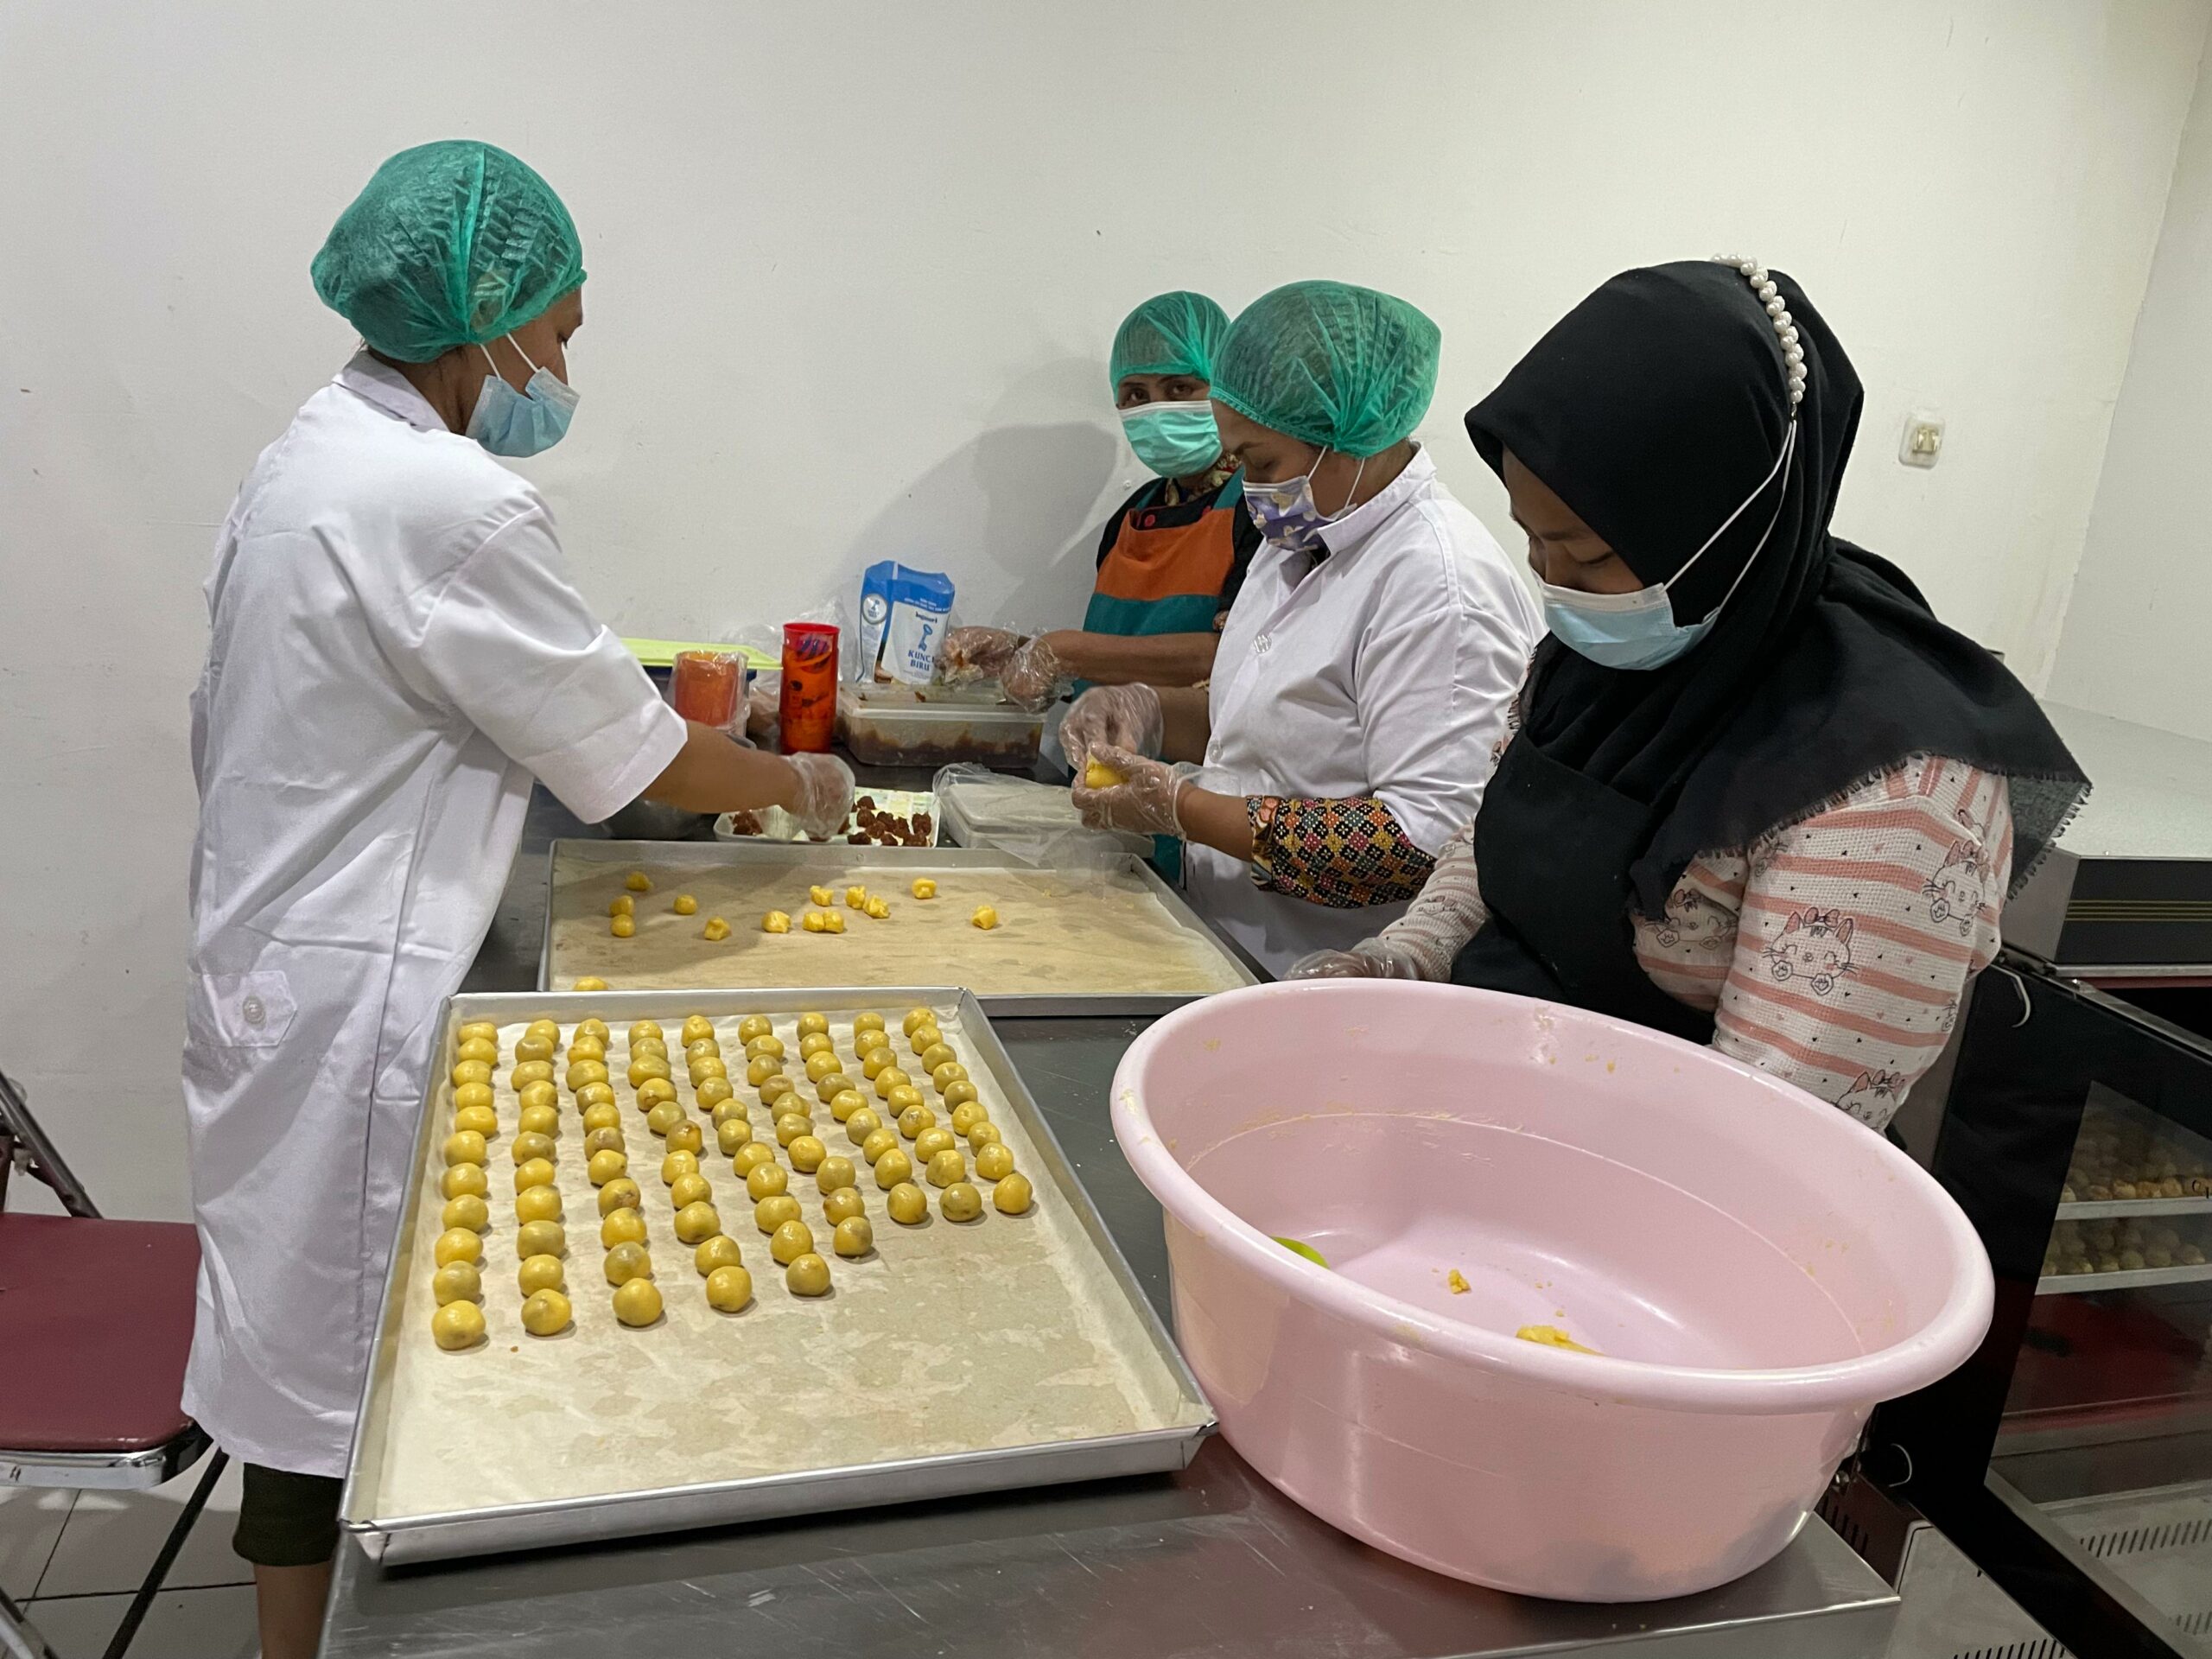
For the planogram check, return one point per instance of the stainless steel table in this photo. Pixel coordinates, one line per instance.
(1209, 1562)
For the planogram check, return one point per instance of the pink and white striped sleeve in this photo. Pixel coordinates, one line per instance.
(1860, 929)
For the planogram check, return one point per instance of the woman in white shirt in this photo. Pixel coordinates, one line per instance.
(1365, 670)
(396, 652)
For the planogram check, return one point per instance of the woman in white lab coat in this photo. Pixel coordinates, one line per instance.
(1366, 668)
(397, 652)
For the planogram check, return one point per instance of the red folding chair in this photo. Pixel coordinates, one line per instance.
(95, 1320)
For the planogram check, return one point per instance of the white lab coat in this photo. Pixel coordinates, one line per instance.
(396, 649)
(1385, 670)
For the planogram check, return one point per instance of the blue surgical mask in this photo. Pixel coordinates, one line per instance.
(1285, 511)
(1175, 440)
(526, 423)
(1638, 630)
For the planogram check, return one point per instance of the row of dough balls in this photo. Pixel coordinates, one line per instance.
(824, 917)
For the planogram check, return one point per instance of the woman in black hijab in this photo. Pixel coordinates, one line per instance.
(1758, 795)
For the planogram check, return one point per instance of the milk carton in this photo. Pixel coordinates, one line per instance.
(904, 614)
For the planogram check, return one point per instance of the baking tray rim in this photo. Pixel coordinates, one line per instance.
(1010, 1006)
(479, 1531)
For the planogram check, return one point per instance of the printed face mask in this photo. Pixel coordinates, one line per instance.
(1285, 511)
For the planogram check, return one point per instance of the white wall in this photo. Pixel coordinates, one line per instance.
(854, 272)
(2134, 643)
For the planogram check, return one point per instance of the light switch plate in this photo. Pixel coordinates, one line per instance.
(1922, 443)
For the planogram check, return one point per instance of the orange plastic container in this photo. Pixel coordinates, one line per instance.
(709, 686)
(807, 707)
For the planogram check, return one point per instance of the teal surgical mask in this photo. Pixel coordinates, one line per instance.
(1175, 440)
(526, 423)
(1638, 630)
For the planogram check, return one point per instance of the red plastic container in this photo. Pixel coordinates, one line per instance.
(709, 687)
(807, 707)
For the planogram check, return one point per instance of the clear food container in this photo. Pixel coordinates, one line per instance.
(935, 726)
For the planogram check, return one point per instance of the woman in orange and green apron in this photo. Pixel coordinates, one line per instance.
(1172, 557)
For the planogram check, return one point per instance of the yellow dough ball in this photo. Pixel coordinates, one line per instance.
(776, 921)
(685, 1137)
(765, 1181)
(595, 1094)
(621, 905)
(627, 1260)
(622, 1227)
(750, 1156)
(539, 1203)
(583, 1072)
(623, 927)
(465, 1147)
(467, 1211)
(686, 1190)
(620, 1194)
(642, 1029)
(808, 1275)
(937, 1054)
(546, 1312)
(729, 1289)
(767, 1043)
(457, 1244)
(531, 1045)
(530, 1145)
(697, 1027)
(477, 1120)
(961, 1202)
(893, 1170)
(696, 1221)
(719, 1251)
(472, 1095)
(876, 909)
(774, 1088)
(603, 1115)
(664, 1117)
(813, 1024)
(790, 1126)
(916, 1018)
(790, 1241)
(835, 1084)
(1011, 1195)
(902, 1100)
(531, 1071)
(876, 1145)
(686, 905)
(821, 895)
(637, 881)
(866, 1022)
(985, 918)
(807, 1154)
(456, 1282)
(584, 1047)
(762, 1067)
(702, 1048)
(832, 1174)
(590, 982)
(477, 1029)
(819, 1067)
(908, 1205)
(994, 1162)
(868, 1038)
(815, 921)
(833, 921)
(1098, 775)
(712, 1091)
(931, 1141)
(845, 1102)
(538, 1093)
(948, 1074)
(755, 1025)
(654, 1092)
(853, 1237)
(544, 1025)
(843, 1205)
(731, 1133)
(538, 1120)
(540, 1273)
(676, 1165)
(876, 1062)
(637, 1302)
(540, 1238)
(812, 1043)
(981, 1134)
(706, 1066)
(605, 1140)
(772, 1213)
(593, 1027)
(861, 1124)
(730, 1110)
(889, 1078)
(646, 1068)
(537, 1172)
(464, 1179)
(925, 1038)
(457, 1325)
(946, 1168)
(605, 1166)
(924, 887)
(966, 1109)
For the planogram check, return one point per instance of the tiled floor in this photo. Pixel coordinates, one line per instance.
(76, 1558)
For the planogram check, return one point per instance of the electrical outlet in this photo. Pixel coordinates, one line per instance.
(1922, 443)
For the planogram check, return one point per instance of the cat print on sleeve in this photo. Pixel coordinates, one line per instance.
(1815, 946)
(1954, 891)
(1874, 1097)
(1697, 923)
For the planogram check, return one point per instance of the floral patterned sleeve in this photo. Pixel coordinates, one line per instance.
(1341, 854)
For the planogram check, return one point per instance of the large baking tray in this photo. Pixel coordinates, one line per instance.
(898, 866)
(397, 1538)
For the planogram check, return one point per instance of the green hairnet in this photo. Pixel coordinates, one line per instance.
(1330, 363)
(1169, 333)
(452, 243)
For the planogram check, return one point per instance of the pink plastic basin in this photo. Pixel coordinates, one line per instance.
(1757, 1269)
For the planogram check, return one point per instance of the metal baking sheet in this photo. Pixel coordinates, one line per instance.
(467, 1428)
(1215, 963)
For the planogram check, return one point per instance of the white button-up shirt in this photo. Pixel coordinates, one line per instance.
(1384, 669)
(396, 649)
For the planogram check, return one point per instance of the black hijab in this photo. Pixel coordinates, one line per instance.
(1654, 409)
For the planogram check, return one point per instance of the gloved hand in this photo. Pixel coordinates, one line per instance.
(976, 653)
(824, 799)
(1424, 942)
(1032, 677)
(1126, 717)
(1145, 798)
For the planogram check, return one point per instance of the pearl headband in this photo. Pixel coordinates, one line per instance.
(1777, 313)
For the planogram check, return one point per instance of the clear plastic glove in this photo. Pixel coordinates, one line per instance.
(1032, 677)
(1427, 940)
(1145, 798)
(976, 653)
(1126, 717)
(1370, 959)
(824, 799)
